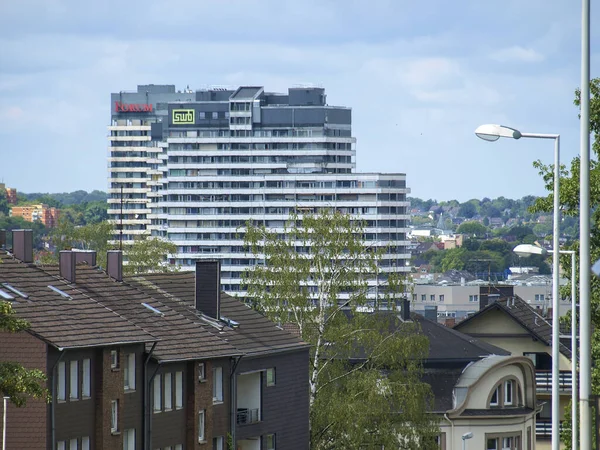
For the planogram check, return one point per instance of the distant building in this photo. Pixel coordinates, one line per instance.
(11, 194)
(37, 213)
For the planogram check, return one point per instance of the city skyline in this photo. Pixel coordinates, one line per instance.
(419, 81)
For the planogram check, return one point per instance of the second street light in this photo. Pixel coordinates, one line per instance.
(528, 250)
(493, 133)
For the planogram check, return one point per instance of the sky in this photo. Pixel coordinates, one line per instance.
(420, 76)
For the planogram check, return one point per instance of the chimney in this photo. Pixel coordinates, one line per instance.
(208, 287)
(114, 264)
(2, 239)
(23, 245)
(405, 310)
(85, 256)
(66, 262)
(431, 312)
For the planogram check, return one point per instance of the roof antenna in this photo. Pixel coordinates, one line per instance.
(121, 222)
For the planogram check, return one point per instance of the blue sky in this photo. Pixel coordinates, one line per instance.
(419, 75)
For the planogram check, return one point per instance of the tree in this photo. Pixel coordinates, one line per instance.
(148, 254)
(4, 208)
(17, 382)
(474, 229)
(468, 209)
(365, 368)
(569, 200)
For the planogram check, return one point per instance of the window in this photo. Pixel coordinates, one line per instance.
(178, 390)
(201, 435)
(114, 359)
(73, 444)
(492, 444)
(495, 396)
(157, 394)
(503, 441)
(215, 115)
(85, 443)
(271, 376)
(61, 381)
(270, 438)
(217, 384)
(129, 439)
(432, 297)
(168, 392)
(440, 441)
(202, 115)
(539, 297)
(61, 445)
(508, 392)
(179, 447)
(473, 298)
(114, 416)
(423, 297)
(218, 443)
(201, 372)
(441, 297)
(86, 378)
(74, 380)
(129, 372)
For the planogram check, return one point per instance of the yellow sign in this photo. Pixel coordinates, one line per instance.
(184, 116)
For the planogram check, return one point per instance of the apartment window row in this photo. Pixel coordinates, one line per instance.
(167, 391)
(344, 146)
(74, 376)
(503, 441)
(243, 159)
(82, 443)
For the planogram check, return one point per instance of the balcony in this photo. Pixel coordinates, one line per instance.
(543, 428)
(543, 381)
(248, 398)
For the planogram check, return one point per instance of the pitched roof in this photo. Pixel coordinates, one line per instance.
(255, 333)
(522, 313)
(181, 338)
(72, 320)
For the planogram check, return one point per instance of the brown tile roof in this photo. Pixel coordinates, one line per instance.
(522, 313)
(255, 334)
(181, 337)
(78, 321)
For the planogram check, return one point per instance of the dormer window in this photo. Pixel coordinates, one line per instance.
(507, 393)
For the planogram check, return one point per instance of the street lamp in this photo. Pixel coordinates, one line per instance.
(493, 133)
(466, 436)
(527, 250)
(4, 424)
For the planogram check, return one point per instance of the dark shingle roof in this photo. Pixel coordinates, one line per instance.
(442, 382)
(180, 337)
(255, 334)
(522, 313)
(80, 321)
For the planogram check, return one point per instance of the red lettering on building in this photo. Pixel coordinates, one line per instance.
(132, 107)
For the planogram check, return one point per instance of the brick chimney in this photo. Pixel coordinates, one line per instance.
(66, 264)
(208, 287)
(114, 264)
(23, 245)
(2, 239)
(85, 256)
(405, 314)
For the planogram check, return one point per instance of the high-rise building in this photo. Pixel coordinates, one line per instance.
(227, 156)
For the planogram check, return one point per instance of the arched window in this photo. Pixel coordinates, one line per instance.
(506, 394)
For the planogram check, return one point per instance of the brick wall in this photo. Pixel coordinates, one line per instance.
(25, 427)
(109, 387)
(198, 396)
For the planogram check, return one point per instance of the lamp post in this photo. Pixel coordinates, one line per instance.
(493, 133)
(527, 250)
(465, 437)
(4, 424)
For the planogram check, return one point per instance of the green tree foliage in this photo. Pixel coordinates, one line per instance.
(365, 368)
(4, 208)
(468, 209)
(18, 223)
(17, 382)
(148, 254)
(569, 201)
(472, 229)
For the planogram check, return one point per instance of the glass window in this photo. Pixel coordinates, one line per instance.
(423, 297)
(85, 443)
(495, 397)
(157, 394)
(508, 393)
(86, 381)
(114, 415)
(432, 297)
(492, 444)
(219, 443)
(178, 390)
(61, 381)
(201, 436)
(507, 443)
(168, 392)
(129, 439)
(270, 441)
(129, 372)
(61, 445)
(73, 444)
(271, 376)
(441, 297)
(215, 115)
(217, 384)
(114, 359)
(201, 372)
(74, 380)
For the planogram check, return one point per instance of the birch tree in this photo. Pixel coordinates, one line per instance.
(365, 367)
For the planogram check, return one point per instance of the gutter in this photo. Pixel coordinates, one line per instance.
(54, 400)
(233, 397)
(451, 428)
(146, 400)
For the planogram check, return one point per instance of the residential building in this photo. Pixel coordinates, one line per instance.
(224, 157)
(163, 372)
(11, 194)
(514, 325)
(37, 213)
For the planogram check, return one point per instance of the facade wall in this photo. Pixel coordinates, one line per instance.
(26, 427)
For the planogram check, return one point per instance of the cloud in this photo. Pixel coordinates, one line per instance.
(517, 53)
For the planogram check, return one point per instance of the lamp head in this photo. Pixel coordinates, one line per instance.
(466, 436)
(525, 250)
(491, 132)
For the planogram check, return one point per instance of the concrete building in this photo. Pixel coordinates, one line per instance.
(11, 194)
(37, 213)
(209, 161)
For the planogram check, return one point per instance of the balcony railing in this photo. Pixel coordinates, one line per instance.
(246, 416)
(543, 380)
(543, 428)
